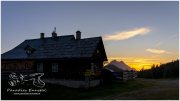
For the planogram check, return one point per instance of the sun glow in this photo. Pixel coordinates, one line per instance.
(137, 63)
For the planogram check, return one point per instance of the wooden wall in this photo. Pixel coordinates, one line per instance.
(17, 65)
(67, 69)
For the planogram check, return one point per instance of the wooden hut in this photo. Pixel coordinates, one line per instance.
(66, 57)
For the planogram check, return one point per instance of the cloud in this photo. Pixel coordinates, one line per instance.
(127, 34)
(156, 51)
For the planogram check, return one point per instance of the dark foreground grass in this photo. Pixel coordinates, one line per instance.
(137, 89)
(58, 92)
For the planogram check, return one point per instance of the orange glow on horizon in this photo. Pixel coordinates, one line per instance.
(138, 63)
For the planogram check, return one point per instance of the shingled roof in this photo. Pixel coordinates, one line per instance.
(61, 47)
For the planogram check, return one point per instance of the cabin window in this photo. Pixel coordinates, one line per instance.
(29, 50)
(55, 67)
(39, 67)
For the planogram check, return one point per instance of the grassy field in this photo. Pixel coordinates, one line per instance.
(133, 89)
(154, 89)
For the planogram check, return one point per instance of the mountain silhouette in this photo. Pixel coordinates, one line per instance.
(118, 66)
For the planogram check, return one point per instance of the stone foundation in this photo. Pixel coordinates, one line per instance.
(73, 83)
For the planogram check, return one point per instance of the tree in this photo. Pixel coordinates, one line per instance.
(168, 70)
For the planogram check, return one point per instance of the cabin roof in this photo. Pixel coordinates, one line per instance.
(60, 47)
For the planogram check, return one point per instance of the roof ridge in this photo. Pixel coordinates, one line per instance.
(50, 37)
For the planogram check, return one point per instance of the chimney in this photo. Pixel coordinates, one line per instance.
(54, 34)
(42, 35)
(78, 35)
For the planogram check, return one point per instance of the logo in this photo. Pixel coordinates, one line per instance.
(15, 79)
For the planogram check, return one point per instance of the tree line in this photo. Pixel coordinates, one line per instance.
(167, 70)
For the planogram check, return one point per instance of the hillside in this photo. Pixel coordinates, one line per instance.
(167, 70)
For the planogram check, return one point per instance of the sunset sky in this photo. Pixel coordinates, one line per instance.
(139, 33)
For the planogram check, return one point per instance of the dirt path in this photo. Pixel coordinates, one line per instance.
(160, 89)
